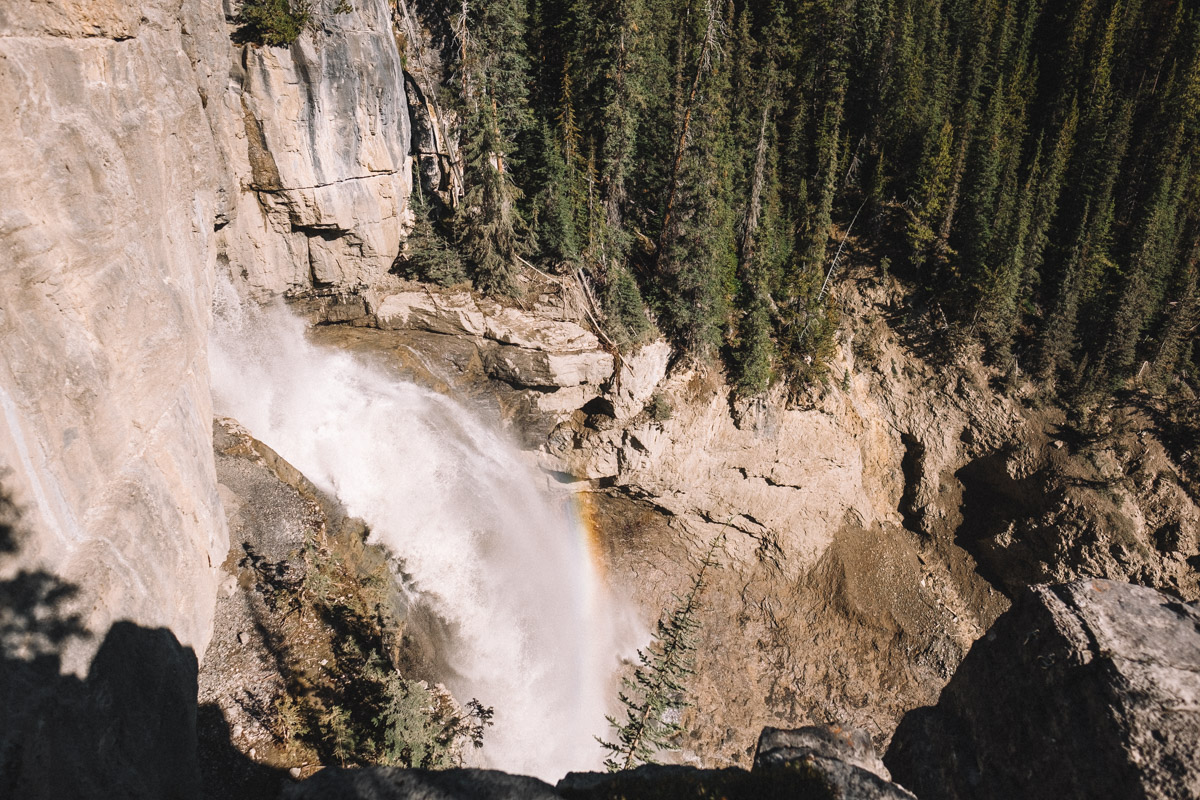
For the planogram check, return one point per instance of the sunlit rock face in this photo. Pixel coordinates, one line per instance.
(320, 146)
(106, 230)
(145, 151)
(1086, 689)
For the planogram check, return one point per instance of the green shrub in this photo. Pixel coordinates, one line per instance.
(660, 407)
(274, 23)
(356, 708)
(428, 254)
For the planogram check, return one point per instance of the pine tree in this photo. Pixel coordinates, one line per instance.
(820, 221)
(1144, 284)
(556, 207)
(490, 229)
(1049, 191)
(624, 309)
(1001, 292)
(754, 351)
(697, 252)
(1058, 335)
(1183, 320)
(427, 254)
(933, 182)
(657, 686)
(492, 78)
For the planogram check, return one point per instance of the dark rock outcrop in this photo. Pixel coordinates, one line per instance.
(390, 783)
(844, 757)
(126, 730)
(1085, 690)
(815, 763)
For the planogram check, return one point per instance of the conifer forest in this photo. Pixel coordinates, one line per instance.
(1030, 170)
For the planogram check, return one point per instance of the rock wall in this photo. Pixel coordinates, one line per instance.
(320, 153)
(145, 150)
(873, 528)
(1088, 689)
(106, 229)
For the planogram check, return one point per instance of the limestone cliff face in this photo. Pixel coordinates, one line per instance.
(320, 154)
(143, 152)
(106, 230)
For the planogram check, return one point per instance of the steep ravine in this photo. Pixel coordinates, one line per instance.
(874, 529)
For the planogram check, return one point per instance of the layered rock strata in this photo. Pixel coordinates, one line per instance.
(320, 155)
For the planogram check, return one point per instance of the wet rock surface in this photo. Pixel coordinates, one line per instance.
(1089, 689)
(107, 234)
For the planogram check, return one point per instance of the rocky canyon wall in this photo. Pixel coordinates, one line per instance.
(145, 152)
(318, 141)
(107, 233)
(872, 529)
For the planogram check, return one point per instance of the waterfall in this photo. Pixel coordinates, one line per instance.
(502, 561)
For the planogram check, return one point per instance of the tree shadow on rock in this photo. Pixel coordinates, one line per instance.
(127, 729)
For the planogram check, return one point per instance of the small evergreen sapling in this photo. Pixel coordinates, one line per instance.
(274, 23)
(428, 255)
(654, 695)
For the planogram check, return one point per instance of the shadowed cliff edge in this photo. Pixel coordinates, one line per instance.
(127, 729)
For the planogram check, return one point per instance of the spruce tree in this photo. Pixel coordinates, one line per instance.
(754, 351)
(492, 78)
(657, 687)
(932, 185)
(428, 254)
(556, 206)
(490, 229)
(697, 251)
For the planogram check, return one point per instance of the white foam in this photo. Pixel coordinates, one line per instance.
(500, 560)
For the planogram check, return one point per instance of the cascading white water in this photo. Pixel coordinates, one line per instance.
(502, 562)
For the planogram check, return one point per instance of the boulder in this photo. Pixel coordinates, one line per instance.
(843, 757)
(1083, 690)
(451, 314)
(541, 369)
(816, 763)
(522, 329)
(516, 347)
(639, 375)
(849, 745)
(389, 783)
